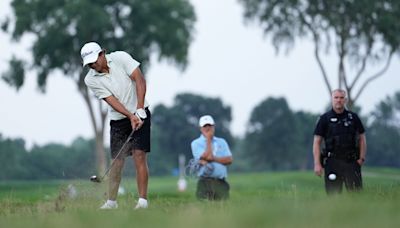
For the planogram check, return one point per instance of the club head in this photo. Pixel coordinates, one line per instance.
(95, 178)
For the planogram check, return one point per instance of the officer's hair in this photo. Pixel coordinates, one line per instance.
(340, 91)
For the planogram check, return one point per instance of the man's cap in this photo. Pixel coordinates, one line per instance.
(204, 120)
(90, 52)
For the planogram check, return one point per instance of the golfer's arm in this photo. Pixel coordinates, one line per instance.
(224, 160)
(207, 154)
(117, 106)
(140, 82)
(363, 146)
(317, 149)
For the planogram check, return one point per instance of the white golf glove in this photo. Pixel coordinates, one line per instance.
(141, 113)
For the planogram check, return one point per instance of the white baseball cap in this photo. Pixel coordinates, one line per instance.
(207, 119)
(90, 52)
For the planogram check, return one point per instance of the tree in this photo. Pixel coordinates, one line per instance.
(12, 153)
(384, 133)
(176, 126)
(271, 140)
(362, 32)
(305, 124)
(60, 28)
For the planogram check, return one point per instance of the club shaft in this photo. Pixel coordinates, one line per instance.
(119, 152)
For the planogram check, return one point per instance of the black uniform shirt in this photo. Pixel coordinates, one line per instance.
(344, 118)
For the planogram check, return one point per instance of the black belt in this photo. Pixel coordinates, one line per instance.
(212, 178)
(347, 156)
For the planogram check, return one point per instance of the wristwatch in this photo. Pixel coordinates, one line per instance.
(141, 113)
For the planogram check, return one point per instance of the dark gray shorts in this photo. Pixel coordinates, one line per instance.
(212, 189)
(119, 132)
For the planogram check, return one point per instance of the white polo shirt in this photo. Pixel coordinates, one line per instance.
(117, 82)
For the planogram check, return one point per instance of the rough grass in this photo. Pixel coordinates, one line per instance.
(291, 199)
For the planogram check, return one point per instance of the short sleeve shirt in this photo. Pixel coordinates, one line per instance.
(117, 82)
(220, 148)
(322, 126)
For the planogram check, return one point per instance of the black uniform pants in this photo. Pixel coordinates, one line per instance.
(212, 189)
(347, 172)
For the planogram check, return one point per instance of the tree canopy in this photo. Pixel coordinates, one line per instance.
(162, 28)
(364, 34)
(141, 28)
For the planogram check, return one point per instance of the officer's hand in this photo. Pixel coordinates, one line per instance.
(361, 161)
(318, 170)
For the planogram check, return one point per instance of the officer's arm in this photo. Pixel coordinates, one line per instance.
(363, 148)
(317, 154)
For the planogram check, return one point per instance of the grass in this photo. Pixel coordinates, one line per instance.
(284, 199)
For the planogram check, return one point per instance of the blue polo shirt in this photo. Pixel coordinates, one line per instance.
(220, 148)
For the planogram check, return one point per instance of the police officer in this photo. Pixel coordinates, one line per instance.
(344, 148)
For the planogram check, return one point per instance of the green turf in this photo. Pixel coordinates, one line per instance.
(289, 199)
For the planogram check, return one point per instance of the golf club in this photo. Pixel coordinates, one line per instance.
(97, 179)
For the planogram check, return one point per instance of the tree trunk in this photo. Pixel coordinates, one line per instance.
(98, 128)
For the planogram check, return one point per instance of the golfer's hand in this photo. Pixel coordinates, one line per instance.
(318, 169)
(136, 122)
(203, 162)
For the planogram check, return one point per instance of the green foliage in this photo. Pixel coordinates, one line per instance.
(362, 33)
(175, 127)
(138, 27)
(158, 28)
(384, 133)
(51, 161)
(12, 151)
(360, 23)
(15, 75)
(277, 138)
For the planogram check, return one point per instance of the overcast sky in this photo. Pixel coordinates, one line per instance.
(228, 59)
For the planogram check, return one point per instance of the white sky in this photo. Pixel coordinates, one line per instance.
(227, 59)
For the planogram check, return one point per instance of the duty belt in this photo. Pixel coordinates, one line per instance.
(346, 156)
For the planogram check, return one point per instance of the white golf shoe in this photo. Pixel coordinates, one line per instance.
(141, 204)
(109, 205)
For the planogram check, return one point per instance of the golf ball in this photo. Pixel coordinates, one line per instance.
(332, 176)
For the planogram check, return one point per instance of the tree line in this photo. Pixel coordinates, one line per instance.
(276, 138)
(360, 34)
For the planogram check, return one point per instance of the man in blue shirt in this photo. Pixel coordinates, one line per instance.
(213, 155)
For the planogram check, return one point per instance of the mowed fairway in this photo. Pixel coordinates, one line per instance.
(290, 199)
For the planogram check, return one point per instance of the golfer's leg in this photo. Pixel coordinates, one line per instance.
(115, 178)
(142, 172)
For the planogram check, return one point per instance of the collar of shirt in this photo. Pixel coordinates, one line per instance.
(109, 60)
(344, 113)
(204, 138)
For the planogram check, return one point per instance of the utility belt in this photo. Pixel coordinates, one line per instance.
(347, 155)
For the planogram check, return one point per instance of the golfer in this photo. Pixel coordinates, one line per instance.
(213, 155)
(116, 78)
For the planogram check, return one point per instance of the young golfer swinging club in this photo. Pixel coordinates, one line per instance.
(117, 79)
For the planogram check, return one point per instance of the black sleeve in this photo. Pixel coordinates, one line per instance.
(359, 126)
(320, 128)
